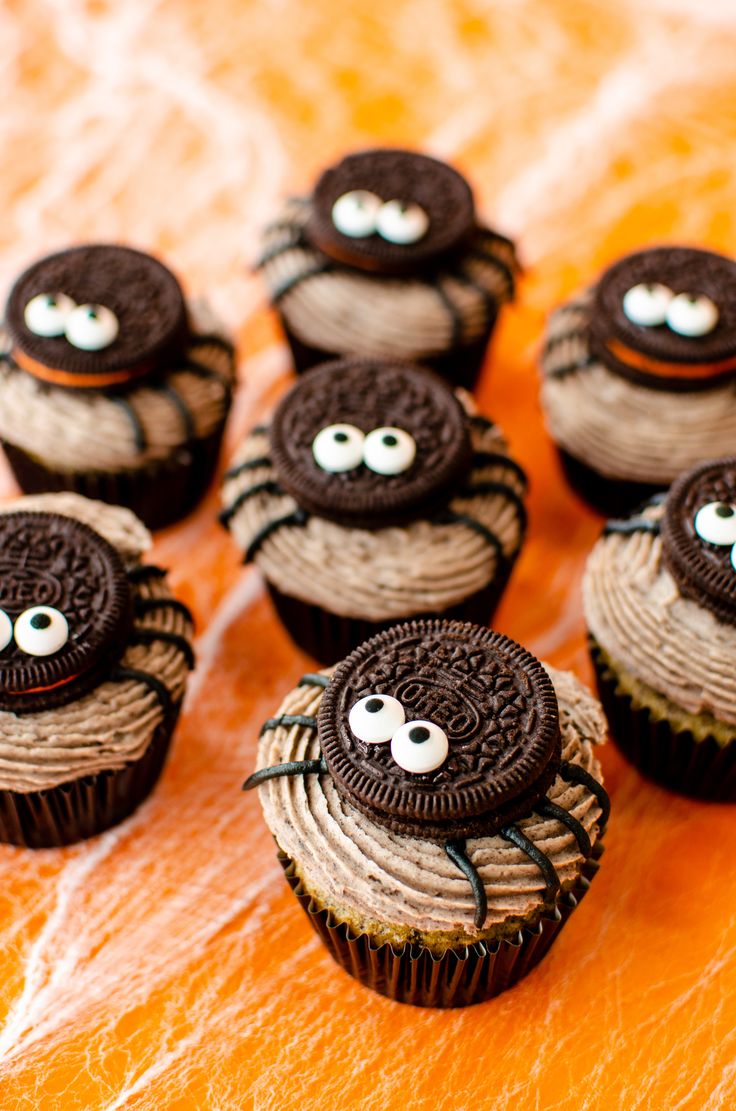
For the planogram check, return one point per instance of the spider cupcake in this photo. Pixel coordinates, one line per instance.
(387, 258)
(660, 602)
(94, 655)
(110, 384)
(438, 808)
(374, 495)
(638, 374)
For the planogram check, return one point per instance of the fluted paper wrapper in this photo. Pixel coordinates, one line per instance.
(86, 806)
(701, 769)
(613, 497)
(468, 974)
(160, 493)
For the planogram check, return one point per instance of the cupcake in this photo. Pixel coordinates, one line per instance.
(438, 807)
(111, 386)
(660, 603)
(387, 258)
(94, 655)
(638, 374)
(374, 495)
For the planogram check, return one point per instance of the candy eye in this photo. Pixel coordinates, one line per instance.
(419, 746)
(6, 630)
(338, 448)
(401, 223)
(46, 314)
(355, 213)
(389, 450)
(647, 304)
(716, 523)
(692, 314)
(91, 327)
(41, 631)
(376, 718)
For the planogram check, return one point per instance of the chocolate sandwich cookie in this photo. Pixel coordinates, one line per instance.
(94, 653)
(462, 795)
(387, 258)
(638, 373)
(375, 495)
(111, 385)
(660, 601)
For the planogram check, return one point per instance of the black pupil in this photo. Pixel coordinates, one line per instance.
(51, 302)
(390, 440)
(724, 510)
(92, 314)
(419, 734)
(40, 621)
(341, 437)
(373, 705)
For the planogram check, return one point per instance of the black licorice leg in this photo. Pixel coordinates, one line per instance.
(497, 264)
(267, 487)
(548, 809)
(120, 674)
(296, 241)
(278, 771)
(200, 370)
(456, 850)
(570, 368)
(305, 720)
(450, 517)
(456, 321)
(150, 636)
(473, 489)
(516, 837)
(139, 434)
(574, 773)
(313, 679)
(497, 458)
(246, 465)
(633, 524)
(212, 339)
(298, 518)
(145, 571)
(185, 414)
(146, 605)
(297, 279)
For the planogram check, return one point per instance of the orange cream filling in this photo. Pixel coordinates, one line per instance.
(51, 687)
(68, 378)
(659, 369)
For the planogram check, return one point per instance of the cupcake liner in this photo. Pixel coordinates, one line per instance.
(610, 496)
(86, 806)
(329, 637)
(460, 366)
(160, 493)
(701, 769)
(458, 978)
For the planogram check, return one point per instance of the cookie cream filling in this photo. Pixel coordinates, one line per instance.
(399, 887)
(621, 429)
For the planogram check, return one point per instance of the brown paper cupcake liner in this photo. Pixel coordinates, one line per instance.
(701, 769)
(329, 638)
(86, 806)
(460, 366)
(160, 493)
(610, 496)
(458, 978)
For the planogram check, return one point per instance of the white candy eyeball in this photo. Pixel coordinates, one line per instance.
(91, 327)
(402, 223)
(647, 303)
(376, 718)
(692, 314)
(355, 213)
(41, 631)
(338, 448)
(47, 313)
(716, 523)
(389, 450)
(6, 630)
(419, 746)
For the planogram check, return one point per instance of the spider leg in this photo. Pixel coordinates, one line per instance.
(548, 809)
(574, 773)
(247, 465)
(471, 489)
(150, 636)
(313, 679)
(185, 413)
(303, 276)
(119, 674)
(298, 517)
(139, 433)
(492, 458)
(289, 719)
(144, 571)
(513, 834)
(633, 524)
(456, 851)
(267, 487)
(147, 605)
(278, 771)
(450, 517)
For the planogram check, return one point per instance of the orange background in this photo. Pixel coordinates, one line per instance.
(165, 964)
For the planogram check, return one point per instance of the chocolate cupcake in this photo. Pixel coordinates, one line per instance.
(387, 258)
(94, 655)
(639, 374)
(375, 495)
(438, 807)
(111, 385)
(660, 602)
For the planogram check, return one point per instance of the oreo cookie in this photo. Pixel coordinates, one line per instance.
(699, 536)
(65, 610)
(95, 316)
(390, 211)
(368, 443)
(666, 318)
(440, 729)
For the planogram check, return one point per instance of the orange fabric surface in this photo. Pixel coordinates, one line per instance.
(165, 964)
